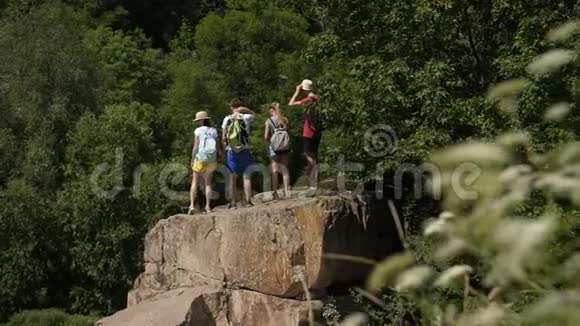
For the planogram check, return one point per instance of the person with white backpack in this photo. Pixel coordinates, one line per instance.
(278, 139)
(203, 159)
(236, 140)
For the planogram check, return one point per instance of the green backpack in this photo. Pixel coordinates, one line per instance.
(237, 134)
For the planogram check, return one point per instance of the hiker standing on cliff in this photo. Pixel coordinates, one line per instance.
(278, 139)
(235, 138)
(203, 159)
(312, 132)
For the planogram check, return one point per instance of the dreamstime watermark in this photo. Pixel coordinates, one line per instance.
(108, 180)
(380, 140)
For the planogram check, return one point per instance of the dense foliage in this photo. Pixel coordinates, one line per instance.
(49, 317)
(96, 102)
(509, 255)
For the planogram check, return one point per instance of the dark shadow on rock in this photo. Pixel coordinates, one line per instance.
(370, 232)
(204, 311)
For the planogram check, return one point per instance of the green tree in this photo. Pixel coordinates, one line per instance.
(132, 70)
(194, 88)
(160, 20)
(424, 65)
(48, 81)
(238, 49)
(102, 220)
(30, 251)
(516, 237)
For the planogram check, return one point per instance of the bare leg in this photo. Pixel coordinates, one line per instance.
(494, 294)
(285, 173)
(275, 170)
(313, 166)
(208, 190)
(193, 190)
(248, 188)
(233, 188)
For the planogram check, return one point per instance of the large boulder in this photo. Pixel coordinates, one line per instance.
(246, 267)
(271, 248)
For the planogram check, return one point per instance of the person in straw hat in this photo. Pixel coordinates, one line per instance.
(312, 132)
(203, 159)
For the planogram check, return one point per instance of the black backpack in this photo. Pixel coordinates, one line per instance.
(315, 116)
(237, 133)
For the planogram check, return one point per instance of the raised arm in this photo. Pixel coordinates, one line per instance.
(245, 110)
(293, 101)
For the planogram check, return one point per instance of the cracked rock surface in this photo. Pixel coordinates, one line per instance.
(247, 266)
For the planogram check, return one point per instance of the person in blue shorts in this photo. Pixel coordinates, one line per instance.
(235, 138)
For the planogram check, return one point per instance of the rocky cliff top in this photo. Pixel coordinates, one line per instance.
(254, 259)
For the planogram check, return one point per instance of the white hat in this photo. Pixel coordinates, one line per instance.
(307, 84)
(201, 115)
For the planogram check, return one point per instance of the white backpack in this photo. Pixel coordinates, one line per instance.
(207, 152)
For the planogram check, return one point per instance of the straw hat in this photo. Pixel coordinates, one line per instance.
(307, 84)
(201, 115)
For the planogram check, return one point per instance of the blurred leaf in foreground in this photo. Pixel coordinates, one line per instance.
(386, 272)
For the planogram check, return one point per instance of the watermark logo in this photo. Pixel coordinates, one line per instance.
(109, 179)
(380, 140)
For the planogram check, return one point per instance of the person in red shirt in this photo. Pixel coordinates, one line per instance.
(311, 136)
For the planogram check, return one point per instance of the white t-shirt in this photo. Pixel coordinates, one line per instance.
(248, 119)
(209, 130)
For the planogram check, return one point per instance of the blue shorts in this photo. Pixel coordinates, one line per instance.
(239, 162)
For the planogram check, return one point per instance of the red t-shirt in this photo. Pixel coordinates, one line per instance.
(308, 131)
